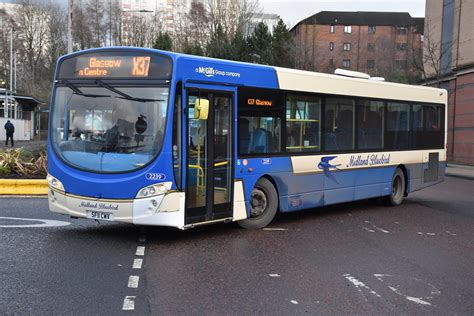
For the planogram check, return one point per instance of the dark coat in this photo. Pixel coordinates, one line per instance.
(10, 128)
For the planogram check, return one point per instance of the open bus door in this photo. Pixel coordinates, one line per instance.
(209, 161)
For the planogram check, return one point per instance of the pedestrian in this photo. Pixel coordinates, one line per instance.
(10, 129)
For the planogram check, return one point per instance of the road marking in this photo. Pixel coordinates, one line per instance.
(274, 275)
(431, 234)
(381, 229)
(369, 230)
(419, 300)
(276, 229)
(360, 285)
(142, 238)
(133, 281)
(45, 222)
(137, 263)
(452, 234)
(410, 298)
(294, 302)
(140, 251)
(128, 303)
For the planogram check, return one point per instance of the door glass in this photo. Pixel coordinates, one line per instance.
(198, 155)
(222, 149)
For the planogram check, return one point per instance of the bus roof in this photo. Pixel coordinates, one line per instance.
(220, 71)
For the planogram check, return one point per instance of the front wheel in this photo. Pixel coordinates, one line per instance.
(263, 205)
(398, 189)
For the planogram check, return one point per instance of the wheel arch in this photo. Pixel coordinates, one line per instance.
(405, 174)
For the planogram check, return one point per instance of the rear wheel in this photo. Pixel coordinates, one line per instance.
(398, 189)
(263, 205)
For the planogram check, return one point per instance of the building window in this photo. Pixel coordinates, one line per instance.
(303, 128)
(332, 29)
(371, 64)
(402, 46)
(371, 47)
(331, 46)
(401, 64)
(372, 29)
(346, 63)
(347, 46)
(401, 30)
(347, 29)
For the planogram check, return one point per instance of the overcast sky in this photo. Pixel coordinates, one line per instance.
(294, 11)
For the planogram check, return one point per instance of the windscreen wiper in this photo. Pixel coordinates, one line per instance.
(123, 95)
(77, 91)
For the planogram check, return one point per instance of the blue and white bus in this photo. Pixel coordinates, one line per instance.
(156, 138)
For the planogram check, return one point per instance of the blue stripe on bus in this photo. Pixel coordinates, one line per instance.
(303, 191)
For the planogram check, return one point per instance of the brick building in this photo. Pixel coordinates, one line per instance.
(449, 34)
(383, 44)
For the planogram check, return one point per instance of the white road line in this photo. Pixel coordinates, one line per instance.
(274, 275)
(137, 263)
(128, 303)
(369, 230)
(277, 229)
(382, 230)
(140, 251)
(133, 281)
(44, 222)
(359, 286)
(410, 298)
(294, 302)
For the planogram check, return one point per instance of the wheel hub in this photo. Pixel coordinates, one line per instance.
(258, 202)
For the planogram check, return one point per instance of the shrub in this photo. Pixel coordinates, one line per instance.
(23, 163)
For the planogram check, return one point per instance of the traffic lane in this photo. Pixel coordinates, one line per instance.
(82, 268)
(350, 258)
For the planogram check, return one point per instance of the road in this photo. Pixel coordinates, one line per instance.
(356, 258)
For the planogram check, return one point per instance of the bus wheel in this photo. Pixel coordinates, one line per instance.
(398, 189)
(263, 205)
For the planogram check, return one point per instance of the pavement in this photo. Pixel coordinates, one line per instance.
(460, 171)
(356, 258)
(27, 145)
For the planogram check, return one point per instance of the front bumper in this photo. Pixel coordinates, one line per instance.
(161, 210)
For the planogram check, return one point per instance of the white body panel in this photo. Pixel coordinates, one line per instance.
(309, 164)
(298, 80)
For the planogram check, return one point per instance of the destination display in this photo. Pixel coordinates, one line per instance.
(126, 66)
(114, 66)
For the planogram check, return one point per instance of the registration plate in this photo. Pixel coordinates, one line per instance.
(100, 215)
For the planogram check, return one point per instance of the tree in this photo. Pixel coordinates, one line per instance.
(163, 42)
(219, 46)
(435, 59)
(260, 43)
(281, 45)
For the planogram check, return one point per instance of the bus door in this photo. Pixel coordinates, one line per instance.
(209, 176)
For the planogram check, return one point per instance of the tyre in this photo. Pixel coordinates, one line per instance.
(398, 189)
(263, 205)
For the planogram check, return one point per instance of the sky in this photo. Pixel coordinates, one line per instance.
(293, 12)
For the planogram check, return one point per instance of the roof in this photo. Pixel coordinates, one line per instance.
(362, 18)
(28, 103)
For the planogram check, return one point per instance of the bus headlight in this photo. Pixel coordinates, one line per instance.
(54, 183)
(153, 190)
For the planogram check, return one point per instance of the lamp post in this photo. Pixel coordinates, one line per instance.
(69, 26)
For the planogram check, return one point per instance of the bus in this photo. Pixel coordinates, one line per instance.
(151, 137)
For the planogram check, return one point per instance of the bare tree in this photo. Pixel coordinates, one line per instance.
(431, 63)
(97, 20)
